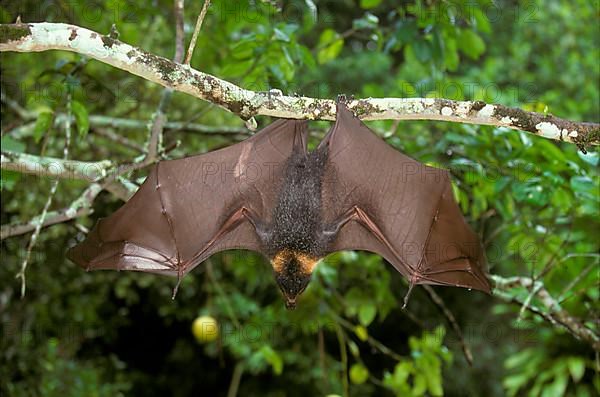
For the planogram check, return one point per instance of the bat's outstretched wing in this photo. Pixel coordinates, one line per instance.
(191, 208)
(379, 200)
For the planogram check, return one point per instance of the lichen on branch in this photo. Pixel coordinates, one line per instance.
(36, 37)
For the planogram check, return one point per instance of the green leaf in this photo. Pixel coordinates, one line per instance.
(353, 347)
(359, 374)
(42, 124)
(576, 367)
(331, 45)
(558, 387)
(366, 4)
(515, 382)
(361, 332)
(434, 381)
(589, 157)
(81, 117)
(237, 68)
(281, 35)
(518, 359)
(9, 143)
(481, 20)
(402, 371)
(8, 179)
(471, 44)
(419, 384)
(273, 358)
(368, 21)
(451, 54)
(366, 313)
(422, 50)
(243, 49)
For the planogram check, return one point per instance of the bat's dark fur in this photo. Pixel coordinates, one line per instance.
(297, 216)
(297, 222)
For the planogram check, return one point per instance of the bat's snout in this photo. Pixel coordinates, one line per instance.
(290, 303)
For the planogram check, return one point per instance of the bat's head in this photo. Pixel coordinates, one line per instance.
(293, 271)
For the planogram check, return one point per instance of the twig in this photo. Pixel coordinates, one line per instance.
(199, 21)
(535, 288)
(323, 365)
(154, 147)
(213, 279)
(97, 121)
(14, 105)
(236, 378)
(370, 340)
(108, 134)
(38, 226)
(179, 31)
(79, 207)
(53, 167)
(35, 37)
(552, 261)
(555, 314)
(439, 302)
(344, 358)
(577, 279)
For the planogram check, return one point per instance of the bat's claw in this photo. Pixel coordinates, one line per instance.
(410, 288)
(176, 288)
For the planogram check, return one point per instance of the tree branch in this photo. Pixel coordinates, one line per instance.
(439, 302)
(35, 37)
(199, 21)
(99, 121)
(54, 167)
(81, 206)
(551, 308)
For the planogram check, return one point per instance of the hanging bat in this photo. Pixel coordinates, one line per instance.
(271, 195)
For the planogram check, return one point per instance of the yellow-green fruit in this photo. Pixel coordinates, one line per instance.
(359, 374)
(205, 329)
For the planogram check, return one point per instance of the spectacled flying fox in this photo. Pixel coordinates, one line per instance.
(271, 195)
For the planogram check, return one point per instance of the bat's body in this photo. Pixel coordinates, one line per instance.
(296, 238)
(269, 194)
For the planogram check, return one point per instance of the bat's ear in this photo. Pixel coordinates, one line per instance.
(341, 98)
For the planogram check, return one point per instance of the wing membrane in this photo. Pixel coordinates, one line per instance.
(176, 219)
(407, 211)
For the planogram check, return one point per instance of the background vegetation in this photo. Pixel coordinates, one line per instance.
(534, 202)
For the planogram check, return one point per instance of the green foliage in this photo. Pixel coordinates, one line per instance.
(42, 125)
(422, 375)
(62, 377)
(534, 202)
(537, 374)
(80, 114)
(10, 178)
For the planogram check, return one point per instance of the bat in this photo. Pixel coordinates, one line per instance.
(271, 195)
